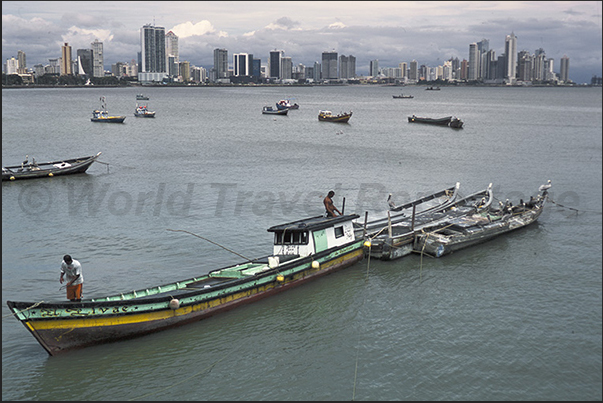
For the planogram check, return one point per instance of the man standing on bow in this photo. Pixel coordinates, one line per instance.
(72, 270)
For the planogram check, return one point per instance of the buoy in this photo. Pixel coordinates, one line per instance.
(50, 174)
(12, 178)
(367, 244)
(280, 278)
(174, 304)
(315, 265)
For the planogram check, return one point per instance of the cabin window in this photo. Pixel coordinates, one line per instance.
(291, 238)
(338, 232)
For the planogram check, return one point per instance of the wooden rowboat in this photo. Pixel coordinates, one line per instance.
(327, 116)
(461, 232)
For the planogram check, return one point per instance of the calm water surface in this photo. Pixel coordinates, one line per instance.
(517, 318)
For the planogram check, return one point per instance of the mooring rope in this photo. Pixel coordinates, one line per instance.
(368, 264)
(209, 240)
(23, 310)
(574, 209)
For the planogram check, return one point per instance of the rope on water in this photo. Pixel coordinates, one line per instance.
(23, 310)
(209, 240)
(208, 369)
(574, 209)
(368, 264)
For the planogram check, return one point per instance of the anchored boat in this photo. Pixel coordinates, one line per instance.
(33, 169)
(303, 250)
(327, 116)
(101, 115)
(461, 232)
(396, 237)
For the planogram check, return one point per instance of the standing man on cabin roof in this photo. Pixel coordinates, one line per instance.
(72, 269)
(329, 206)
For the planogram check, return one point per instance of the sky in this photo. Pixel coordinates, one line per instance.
(391, 32)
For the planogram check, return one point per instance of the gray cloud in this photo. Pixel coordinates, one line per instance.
(392, 32)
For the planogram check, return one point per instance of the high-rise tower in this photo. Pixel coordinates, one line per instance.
(329, 65)
(153, 60)
(98, 69)
(66, 60)
(511, 53)
(564, 72)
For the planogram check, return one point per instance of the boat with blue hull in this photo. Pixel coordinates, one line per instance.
(303, 251)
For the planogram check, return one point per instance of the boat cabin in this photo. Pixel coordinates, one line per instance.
(312, 235)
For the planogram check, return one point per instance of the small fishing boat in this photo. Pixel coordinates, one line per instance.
(327, 116)
(142, 111)
(432, 88)
(432, 121)
(101, 115)
(394, 238)
(286, 104)
(402, 96)
(33, 169)
(269, 110)
(457, 233)
(303, 251)
(140, 97)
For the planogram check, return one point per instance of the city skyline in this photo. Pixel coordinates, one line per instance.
(390, 32)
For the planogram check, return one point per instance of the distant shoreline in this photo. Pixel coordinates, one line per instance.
(33, 86)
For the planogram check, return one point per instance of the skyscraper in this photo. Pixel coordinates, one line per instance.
(152, 41)
(171, 46)
(98, 69)
(274, 64)
(564, 73)
(511, 54)
(172, 54)
(286, 68)
(242, 64)
(413, 71)
(473, 62)
(84, 61)
(483, 47)
(374, 68)
(22, 69)
(221, 64)
(329, 65)
(66, 60)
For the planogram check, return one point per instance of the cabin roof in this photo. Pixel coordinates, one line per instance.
(313, 223)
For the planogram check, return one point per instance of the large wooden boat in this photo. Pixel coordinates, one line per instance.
(303, 250)
(33, 169)
(269, 110)
(396, 237)
(101, 115)
(457, 233)
(327, 116)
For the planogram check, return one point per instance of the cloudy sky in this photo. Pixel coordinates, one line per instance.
(388, 31)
